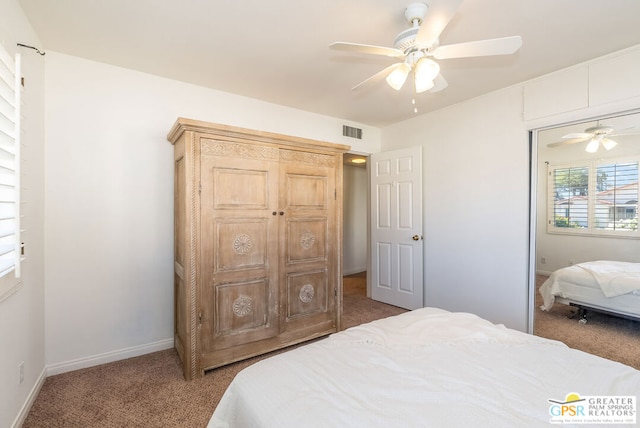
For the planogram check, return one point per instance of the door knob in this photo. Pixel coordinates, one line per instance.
(416, 237)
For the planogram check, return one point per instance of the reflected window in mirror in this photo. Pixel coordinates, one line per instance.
(598, 196)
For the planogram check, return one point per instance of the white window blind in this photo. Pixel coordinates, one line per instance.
(570, 187)
(617, 202)
(10, 91)
(598, 197)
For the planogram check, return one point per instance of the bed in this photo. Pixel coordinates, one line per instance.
(607, 286)
(427, 367)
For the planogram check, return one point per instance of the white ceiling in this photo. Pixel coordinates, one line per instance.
(277, 50)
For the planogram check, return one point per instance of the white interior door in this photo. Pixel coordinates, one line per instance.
(396, 227)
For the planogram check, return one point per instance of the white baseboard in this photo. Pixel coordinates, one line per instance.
(31, 398)
(543, 272)
(108, 357)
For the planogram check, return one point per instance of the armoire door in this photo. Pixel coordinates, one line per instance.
(239, 244)
(308, 247)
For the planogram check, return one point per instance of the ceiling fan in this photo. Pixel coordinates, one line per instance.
(416, 45)
(596, 135)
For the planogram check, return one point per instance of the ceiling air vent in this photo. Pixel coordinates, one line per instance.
(350, 131)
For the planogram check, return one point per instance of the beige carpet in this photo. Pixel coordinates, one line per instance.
(608, 336)
(149, 391)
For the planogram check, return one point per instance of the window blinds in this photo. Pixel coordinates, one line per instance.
(595, 197)
(10, 88)
(570, 196)
(617, 200)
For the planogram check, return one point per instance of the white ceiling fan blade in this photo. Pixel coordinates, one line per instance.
(582, 135)
(624, 134)
(501, 46)
(438, 16)
(367, 49)
(378, 76)
(566, 142)
(439, 83)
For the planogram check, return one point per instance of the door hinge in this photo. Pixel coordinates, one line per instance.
(199, 318)
(335, 194)
(199, 186)
(335, 293)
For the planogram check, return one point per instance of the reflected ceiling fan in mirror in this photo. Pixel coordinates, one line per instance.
(418, 44)
(597, 136)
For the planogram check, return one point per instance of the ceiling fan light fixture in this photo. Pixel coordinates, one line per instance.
(593, 145)
(427, 69)
(608, 144)
(397, 77)
(423, 85)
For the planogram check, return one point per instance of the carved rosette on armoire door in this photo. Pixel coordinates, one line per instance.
(258, 237)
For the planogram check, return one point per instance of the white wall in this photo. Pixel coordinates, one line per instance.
(475, 197)
(109, 198)
(22, 313)
(355, 220)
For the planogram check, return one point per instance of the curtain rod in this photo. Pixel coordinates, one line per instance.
(31, 47)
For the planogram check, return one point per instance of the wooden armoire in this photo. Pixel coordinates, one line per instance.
(258, 242)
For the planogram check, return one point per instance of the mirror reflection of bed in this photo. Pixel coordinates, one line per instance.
(587, 238)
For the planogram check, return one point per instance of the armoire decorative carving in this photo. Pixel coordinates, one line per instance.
(258, 242)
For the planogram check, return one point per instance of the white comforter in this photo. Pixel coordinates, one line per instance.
(427, 367)
(614, 278)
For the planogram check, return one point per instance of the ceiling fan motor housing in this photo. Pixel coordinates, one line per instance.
(415, 14)
(405, 40)
(599, 130)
